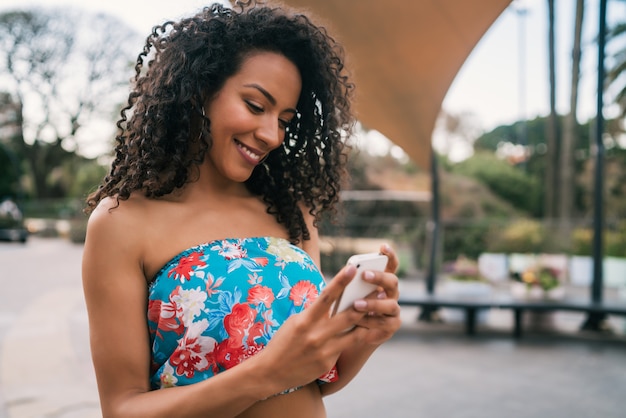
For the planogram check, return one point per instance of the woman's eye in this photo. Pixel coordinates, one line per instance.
(254, 107)
(283, 123)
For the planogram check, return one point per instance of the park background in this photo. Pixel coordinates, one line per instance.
(516, 152)
(501, 214)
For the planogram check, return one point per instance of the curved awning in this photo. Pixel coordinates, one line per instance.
(404, 56)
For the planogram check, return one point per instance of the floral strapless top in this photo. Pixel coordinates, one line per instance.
(216, 304)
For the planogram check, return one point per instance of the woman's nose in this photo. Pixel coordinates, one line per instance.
(270, 132)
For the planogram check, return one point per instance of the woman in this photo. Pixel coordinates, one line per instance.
(201, 263)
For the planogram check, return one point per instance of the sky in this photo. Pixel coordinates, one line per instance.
(504, 79)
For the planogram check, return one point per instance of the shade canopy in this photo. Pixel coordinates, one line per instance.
(403, 56)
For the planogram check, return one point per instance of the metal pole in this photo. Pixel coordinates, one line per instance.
(595, 321)
(430, 313)
(434, 227)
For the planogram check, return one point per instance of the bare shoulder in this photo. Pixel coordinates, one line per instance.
(115, 231)
(111, 210)
(115, 216)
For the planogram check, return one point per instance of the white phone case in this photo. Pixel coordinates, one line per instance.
(358, 288)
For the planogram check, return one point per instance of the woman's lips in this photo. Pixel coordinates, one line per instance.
(252, 155)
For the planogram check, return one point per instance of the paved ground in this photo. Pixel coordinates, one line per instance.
(426, 370)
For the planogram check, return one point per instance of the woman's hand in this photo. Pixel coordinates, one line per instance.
(308, 344)
(380, 320)
(382, 317)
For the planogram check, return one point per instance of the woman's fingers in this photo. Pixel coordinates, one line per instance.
(393, 262)
(331, 293)
(387, 283)
(384, 307)
(381, 321)
(380, 303)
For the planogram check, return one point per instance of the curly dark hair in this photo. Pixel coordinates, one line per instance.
(183, 64)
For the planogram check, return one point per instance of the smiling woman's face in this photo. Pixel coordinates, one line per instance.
(249, 114)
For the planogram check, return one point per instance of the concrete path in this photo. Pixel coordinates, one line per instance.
(426, 370)
(45, 365)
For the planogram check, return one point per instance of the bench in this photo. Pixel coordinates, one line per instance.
(518, 306)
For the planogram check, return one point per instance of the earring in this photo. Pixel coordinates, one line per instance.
(202, 124)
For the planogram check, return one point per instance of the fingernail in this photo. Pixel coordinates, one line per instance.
(360, 304)
(387, 248)
(381, 295)
(368, 275)
(350, 270)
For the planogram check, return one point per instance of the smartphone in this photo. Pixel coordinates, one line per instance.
(359, 288)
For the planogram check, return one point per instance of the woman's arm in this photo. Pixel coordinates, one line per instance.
(380, 324)
(306, 346)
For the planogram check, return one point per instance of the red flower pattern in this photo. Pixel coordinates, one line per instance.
(247, 324)
(239, 321)
(258, 295)
(165, 315)
(186, 360)
(184, 267)
(261, 261)
(303, 293)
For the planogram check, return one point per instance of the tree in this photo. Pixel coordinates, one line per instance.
(506, 181)
(552, 132)
(10, 131)
(568, 144)
(66, 69)
(616, 74)
(501, 140)
(455, 134)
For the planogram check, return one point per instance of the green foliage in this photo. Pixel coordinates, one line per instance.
(469, 199)
(51, 208)
(615, 183)
(522, 236)
(509, 182)
(539, 276)
(615, 74)
(535, 135)
(469, 240)
(88, 176)
(582, 241)
(10, 131)
(8, 176)
(490, 140)
(535, 166)
(614, 241)
(410, 168)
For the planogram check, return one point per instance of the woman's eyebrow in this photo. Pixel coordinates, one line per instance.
(268, 96)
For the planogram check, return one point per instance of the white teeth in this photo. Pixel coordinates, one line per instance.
(249, 153)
